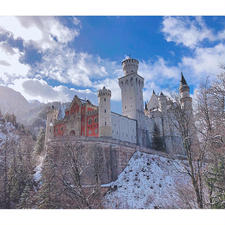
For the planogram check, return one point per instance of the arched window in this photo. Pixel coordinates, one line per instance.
(72, 133)
(131, 81)
(90, 121)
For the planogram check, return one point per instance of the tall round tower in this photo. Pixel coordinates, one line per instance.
(131, 85)
(104, 112)
(52, 116)
(186, 100)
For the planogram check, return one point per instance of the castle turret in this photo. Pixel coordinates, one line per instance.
(52, 116)
(104, 112)
(162, 103)
(186, 100)
(131, 85)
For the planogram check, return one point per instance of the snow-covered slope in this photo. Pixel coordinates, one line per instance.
(150, 181)
(7, 133)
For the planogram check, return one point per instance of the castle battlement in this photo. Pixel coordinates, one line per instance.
(103, 92)
(130, 66)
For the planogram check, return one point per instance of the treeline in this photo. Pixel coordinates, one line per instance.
(11, 118)
(31, 177)
(203, 137)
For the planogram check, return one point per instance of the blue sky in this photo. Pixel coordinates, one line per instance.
(54, 58)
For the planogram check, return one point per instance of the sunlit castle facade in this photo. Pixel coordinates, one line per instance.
(149, 126)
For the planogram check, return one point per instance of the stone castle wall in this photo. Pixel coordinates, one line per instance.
(124, 128)
(116, 154)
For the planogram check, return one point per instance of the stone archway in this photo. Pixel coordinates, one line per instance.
(72, 133)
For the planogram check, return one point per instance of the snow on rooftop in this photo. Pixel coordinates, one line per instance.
(148, 181)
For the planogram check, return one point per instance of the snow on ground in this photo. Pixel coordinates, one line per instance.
(7, 132)
(38, 169)
(148, 181)
(37, 175)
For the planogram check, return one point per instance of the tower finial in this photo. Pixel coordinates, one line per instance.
(183, 81)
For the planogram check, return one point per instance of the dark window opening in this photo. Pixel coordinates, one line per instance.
(72, 133)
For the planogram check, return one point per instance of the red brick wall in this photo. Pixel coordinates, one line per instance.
(74, 109)
(89, 123)
(92, 126)
(83, 109)
(59, 129)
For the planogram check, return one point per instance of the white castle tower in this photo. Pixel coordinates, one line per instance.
(186, 100)
(104, 112)
(52, 116)
(131, 85)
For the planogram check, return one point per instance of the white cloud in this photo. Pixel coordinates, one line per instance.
(10, 65)
(186, 31)
(76, 21)
(111, 84)
(34, 89)
(157, 70)
(78, 68)
(206, 61)
(43, 31)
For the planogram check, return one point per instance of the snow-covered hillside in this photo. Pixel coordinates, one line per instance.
(150, 181)
(7, 132)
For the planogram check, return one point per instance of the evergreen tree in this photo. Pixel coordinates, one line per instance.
(215, 180)
(39, 145)
(25, 201)
(47, 196)
(157, 141)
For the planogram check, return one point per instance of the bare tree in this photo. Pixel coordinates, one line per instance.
(81, 174)
(183, 122)
(211, 127)
(72, 177)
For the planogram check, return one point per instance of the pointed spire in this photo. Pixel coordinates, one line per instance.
(161, 93)
(183, 81)
(153, 92)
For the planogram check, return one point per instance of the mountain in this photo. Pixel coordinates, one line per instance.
(32, 114)
(13, 102)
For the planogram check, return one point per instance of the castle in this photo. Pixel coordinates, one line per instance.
(149, 126)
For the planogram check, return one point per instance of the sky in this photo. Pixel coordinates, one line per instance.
(52, 58)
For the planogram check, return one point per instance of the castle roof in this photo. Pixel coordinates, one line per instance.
(183, 81)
